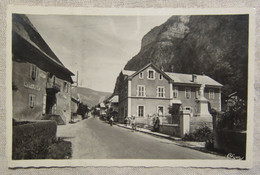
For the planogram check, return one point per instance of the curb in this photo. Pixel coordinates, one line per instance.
(151, 133)
(174, 139)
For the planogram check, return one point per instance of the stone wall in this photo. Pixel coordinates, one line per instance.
(170, 129)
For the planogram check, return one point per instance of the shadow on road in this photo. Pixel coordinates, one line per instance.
(61, 149)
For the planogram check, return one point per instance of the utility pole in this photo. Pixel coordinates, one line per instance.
(77, 80)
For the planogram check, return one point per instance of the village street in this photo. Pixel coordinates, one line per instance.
(95, 139)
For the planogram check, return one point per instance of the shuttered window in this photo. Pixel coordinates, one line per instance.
(140, 90)
(160, 91)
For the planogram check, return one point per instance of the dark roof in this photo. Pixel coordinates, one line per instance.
(23, 27)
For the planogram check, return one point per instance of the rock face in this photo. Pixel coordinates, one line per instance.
(216, 45)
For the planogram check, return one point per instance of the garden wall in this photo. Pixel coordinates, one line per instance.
(170, 129)
(31, 140)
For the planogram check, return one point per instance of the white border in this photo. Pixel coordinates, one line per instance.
(131, 12)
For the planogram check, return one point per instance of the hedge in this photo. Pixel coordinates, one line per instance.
(31, 140)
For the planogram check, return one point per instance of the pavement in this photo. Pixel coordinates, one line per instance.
(96, 139)
(149, 132)
(200, 146)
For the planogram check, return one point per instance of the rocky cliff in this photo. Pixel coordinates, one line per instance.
(214, 45)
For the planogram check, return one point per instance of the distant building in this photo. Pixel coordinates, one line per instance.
(150, 91)
(102, 109)
(74, 106)
(41, 83)
(112, 106)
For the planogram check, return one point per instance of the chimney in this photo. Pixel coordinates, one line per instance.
(194, 78)
(172, 67)
(162, 69)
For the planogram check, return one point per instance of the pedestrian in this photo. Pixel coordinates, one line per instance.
(133, 124)
(111, 120)
(126, 121)
(156, 124)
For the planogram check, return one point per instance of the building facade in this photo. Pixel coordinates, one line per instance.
(112, 106)
(151, 91)
(41, 83)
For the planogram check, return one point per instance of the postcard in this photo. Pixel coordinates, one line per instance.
(130, 87)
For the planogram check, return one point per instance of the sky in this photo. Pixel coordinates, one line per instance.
(98, 47)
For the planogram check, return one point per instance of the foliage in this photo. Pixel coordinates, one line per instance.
(82, 109)
(61, 149)
(203, 134)
(174, 109)
(235, 117)
(31, 140)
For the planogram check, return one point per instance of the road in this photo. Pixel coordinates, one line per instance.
(96, 139)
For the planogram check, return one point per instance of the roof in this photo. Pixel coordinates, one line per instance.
(126, 72)
(187, 79)
(232, 94)
(114, 99)
(74, 99)
(102, 105)
(25, 29)
(177, 77)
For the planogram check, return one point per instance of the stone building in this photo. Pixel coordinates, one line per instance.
(151, 91)
(41, 83)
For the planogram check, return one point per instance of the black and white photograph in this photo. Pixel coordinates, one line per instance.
(130, 87)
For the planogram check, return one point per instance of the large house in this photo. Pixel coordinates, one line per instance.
(150, 91)
(41, 83)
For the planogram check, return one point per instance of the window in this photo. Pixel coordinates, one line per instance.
(197, 94)
(160, 91)
(211, 94)
(140, 111)
(125, 112)
(33, 71)
(31, 101)
(160, 110)
(140, 90)
(150, 74)
(122, 111)
(65, 87)
(54, 79)
(44, 104)
(54, 109)
(188, 108)
(175, 92)
(187, 93)
(160, 76)
(141, 75)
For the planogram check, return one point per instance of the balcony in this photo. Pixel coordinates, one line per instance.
(52, 87)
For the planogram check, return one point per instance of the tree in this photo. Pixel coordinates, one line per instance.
(82, 110)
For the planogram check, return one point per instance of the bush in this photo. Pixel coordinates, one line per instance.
(60, 150)
(31, 140)
(235, 118)
(203, 134)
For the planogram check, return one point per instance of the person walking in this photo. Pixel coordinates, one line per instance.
(156, 124)
(133, 124)
(111, 120)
